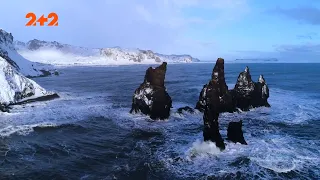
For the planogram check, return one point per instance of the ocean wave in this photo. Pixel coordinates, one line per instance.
(66, 110)
(269, 150)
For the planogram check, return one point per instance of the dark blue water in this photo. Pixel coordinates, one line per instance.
(89, 134)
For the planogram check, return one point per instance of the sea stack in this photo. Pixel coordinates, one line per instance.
(212, 101)
(235, 133)
(215, 98)
(248, 94)
(224, 96)
(261, 93)
(151, 98)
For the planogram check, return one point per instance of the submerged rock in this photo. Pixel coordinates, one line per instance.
(151, 98)
(4, 108)
(235, 133)
(186, 109)
(248, 94)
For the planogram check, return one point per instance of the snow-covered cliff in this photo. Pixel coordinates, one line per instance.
(15, 87)
(26, 67)
(63, 54)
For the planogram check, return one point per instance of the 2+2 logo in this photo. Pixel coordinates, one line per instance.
(42, 20)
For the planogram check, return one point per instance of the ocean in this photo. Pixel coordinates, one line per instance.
(88, 132)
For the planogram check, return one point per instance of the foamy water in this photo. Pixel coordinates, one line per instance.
(282, 140)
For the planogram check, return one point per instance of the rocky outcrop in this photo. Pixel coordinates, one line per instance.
(64, 54)
(4, 108)
(24, 66)
(235, 133)
(139, 55)
(248, 94)
(17, 89)
(245, 95)
(211, 125)
(223, 94)
(151, 98)
(213, 98)
(185, 109)
(243, 90)
(261, 93)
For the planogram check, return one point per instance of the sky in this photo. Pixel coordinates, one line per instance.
(288, 30)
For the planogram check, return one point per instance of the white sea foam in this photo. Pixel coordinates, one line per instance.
(200, 148)
(185, 154)
(66, 109)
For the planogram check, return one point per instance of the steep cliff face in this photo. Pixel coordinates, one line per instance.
(64, 54)
(26, 67)
(16, 88)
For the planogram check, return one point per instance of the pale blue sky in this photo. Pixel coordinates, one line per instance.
(207, 29)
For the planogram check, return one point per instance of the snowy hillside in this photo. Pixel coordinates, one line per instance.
(26, 67)
(15, 87)
(63, 54)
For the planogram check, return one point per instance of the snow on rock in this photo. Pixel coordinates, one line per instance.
(16, 88)
(151, 97)
(216, 91)
(26, 67)
(145, 94)
(244, 85)
(249, 94)
(63, 54)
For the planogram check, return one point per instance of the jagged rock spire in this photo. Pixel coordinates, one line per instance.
(151, 98)
(261, 79)
(246, 69)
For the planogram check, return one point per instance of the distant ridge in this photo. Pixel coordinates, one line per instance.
(53, 52)
(258, 59)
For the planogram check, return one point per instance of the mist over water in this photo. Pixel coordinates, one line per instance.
(89, 134)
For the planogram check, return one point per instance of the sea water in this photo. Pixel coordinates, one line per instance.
(88, 132)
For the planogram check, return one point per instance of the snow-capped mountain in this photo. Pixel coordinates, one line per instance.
(64, 54)
(15, 87)
(26, 67)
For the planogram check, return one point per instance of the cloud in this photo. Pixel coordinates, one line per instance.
(308, 36)
(304, 48)
(159, 25)
(309, 15)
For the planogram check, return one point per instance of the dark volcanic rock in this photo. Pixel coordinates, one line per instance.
(214, 98)
(211, 126)
(243, 90)
(261, 93)
(224, 96)
(186, 108)
(235, 133)
(42, 98)
(248, 94)
(151, 98)
(4, 108)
